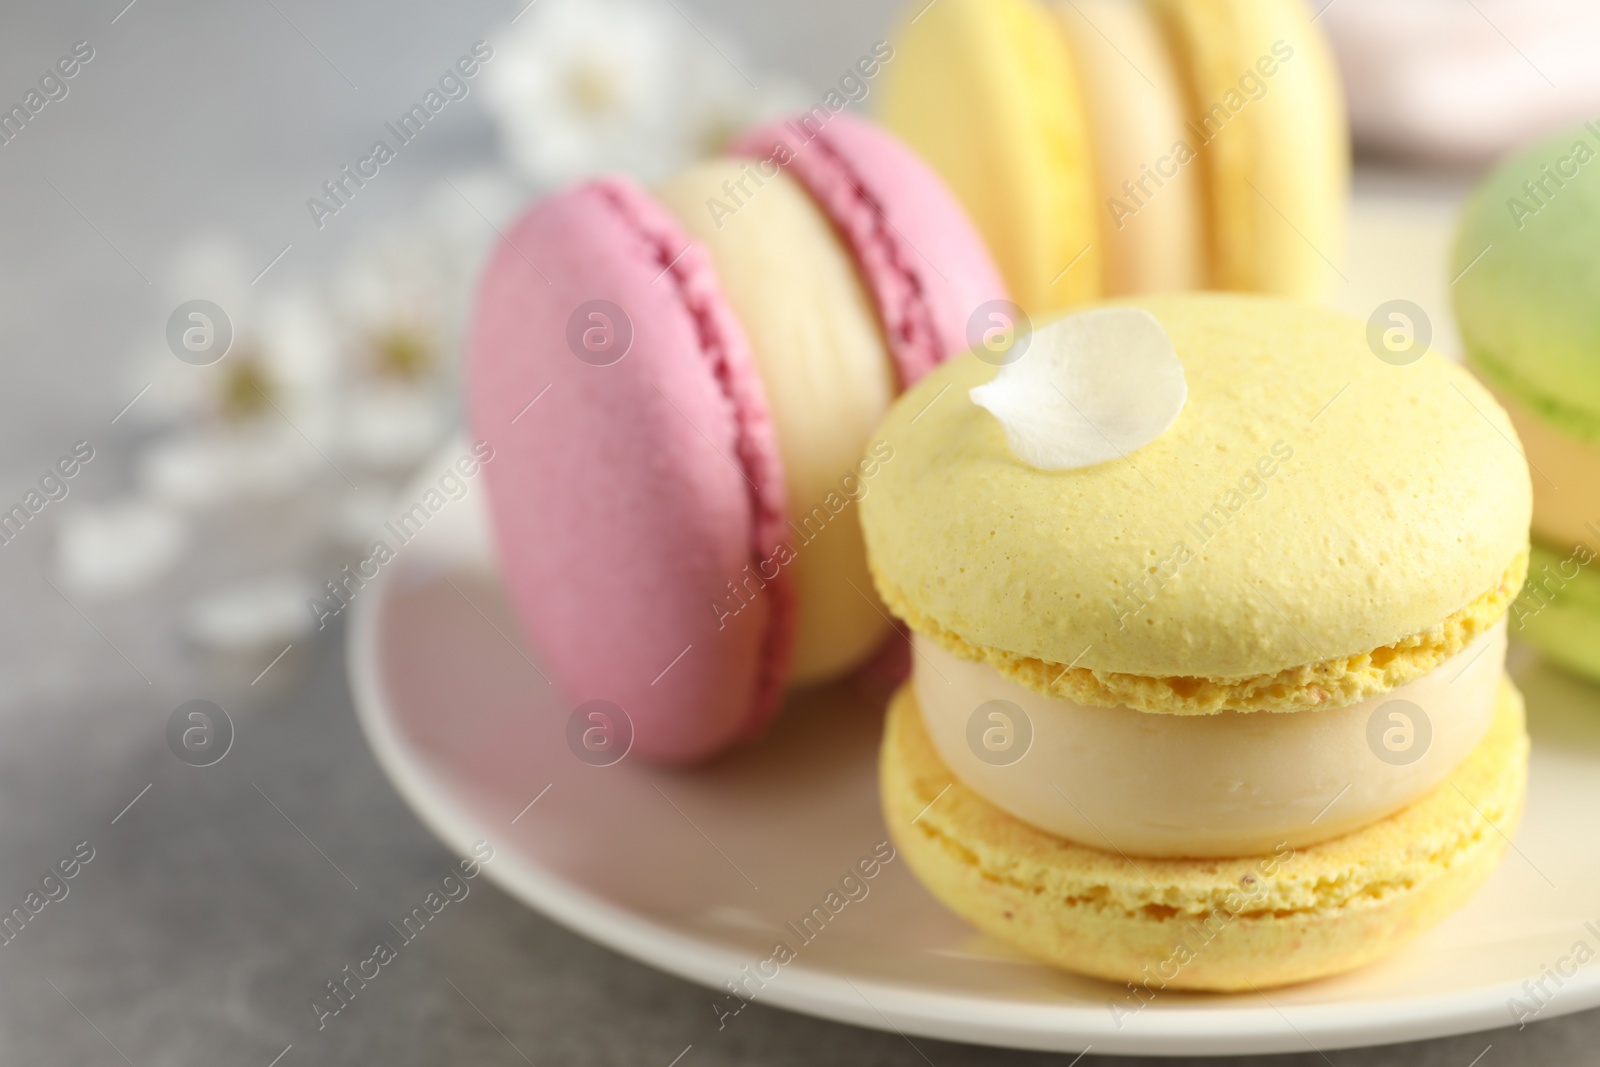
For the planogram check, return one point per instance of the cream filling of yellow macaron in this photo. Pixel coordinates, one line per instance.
(1566, 479)
(1149, 205)
(829, 379)
(1232, 784)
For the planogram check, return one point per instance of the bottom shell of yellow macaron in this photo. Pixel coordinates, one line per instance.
(1229, 924)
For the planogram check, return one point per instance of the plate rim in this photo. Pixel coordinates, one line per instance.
(1179, 1030)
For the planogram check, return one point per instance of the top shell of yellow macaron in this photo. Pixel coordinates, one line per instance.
(1317, 525)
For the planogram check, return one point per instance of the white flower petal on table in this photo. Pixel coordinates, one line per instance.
(393, 274)
(1088, 388)
(106, 549)
(248, 616)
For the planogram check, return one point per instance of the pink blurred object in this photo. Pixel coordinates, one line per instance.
(1464, 81)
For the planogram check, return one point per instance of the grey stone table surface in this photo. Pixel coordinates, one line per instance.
(207, 917)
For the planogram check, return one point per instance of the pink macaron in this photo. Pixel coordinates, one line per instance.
(639, 478)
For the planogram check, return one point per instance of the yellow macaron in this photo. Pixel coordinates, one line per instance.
(1110, 146)
(1279, 624)
(1227, 924)
(985, 91)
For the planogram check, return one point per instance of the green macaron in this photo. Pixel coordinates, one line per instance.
(1527, 295)
(1527, 270)
(1559, 610)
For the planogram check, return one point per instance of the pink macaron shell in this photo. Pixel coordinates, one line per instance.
(626, 499)
(926, 266)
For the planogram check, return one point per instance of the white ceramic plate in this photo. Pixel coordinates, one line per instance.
(700, 873)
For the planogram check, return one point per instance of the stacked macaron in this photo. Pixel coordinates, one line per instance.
(1526, 262)
(1123, 146)
(1217, 706)
(680, 387)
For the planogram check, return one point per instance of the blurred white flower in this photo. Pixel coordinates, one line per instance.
(403, 293)
(581, 86)
(210, 265)
(106, 549)
(209, 467)
(390, 279)
(718, 104)
(298, 349)
(284, 352)
(403, 299)
(262, 613)
(391, 426)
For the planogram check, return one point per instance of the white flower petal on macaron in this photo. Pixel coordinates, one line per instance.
(1088, 388)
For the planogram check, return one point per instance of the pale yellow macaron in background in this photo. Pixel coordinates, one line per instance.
(1137, 113)
(1240, 686)
(1107, 147)
(987, 92)
(1267, 110)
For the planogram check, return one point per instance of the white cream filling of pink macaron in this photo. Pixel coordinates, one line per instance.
(1230, 784)
(816, 342)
